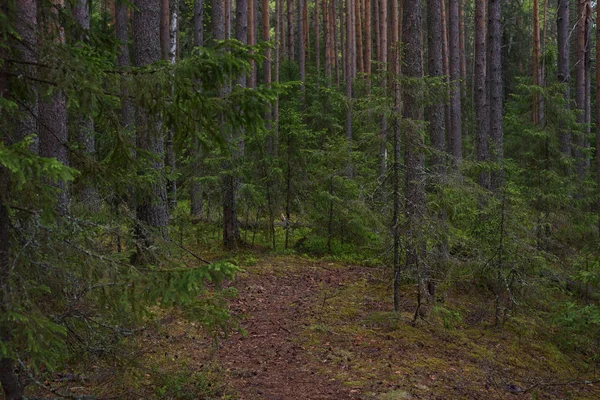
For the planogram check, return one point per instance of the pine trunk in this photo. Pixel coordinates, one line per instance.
(580, 87)
(495, 91)
(564, 74)
(455, 99)
(414, 158)
(151, 211)
(480, 92)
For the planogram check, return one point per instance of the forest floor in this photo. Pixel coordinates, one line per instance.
(321, 330)
(314, 329)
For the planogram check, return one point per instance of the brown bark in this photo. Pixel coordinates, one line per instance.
(413, 156)
(598, 112)
(290, 31)
(580, 86)
(350, 62)
(53, 113)
(301, 42)
(360, 66)
(251, 42)
(446, 65)
(383, 54)
(535, 58)
(480, 91)
(151, 208)
(165, 18)
(368, 38)
(564, 74)
(495, 91)
(317, 38)
(437, 121)
(455, 99)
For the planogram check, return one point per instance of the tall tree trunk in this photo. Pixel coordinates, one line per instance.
(317, 38)
(301, 42)
(279, 34)
(27, 52)
(495, 91)
(350, 61)
(598, 112)
(196, 191)
(382, 48)
(360, 64)
(165, 18)
(169, 53)
(588, 87)
(446, 64)
(396, 90)
(9, 380)
(290, 33)
(580, 86)
(336, 41)
(198, 23)
(85, 123)
(480, 91)
(251, 41)
(535, 58)
(564, 73)
(455, 100)
(151, 211)
(368, 38)
(53, 113)
(414, 157)
(437, 122)
(463, 58)
(123, 59)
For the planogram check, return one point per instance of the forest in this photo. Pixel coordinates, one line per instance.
(293, 199)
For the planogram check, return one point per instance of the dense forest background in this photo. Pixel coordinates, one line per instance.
(147, 143)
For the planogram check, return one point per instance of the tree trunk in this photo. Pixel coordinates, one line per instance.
(414, 157)
(368, 38)
(437, 122)
(382, 49)
(290, 33)
(535, 58)
(446, 64)
(251, 41)
(196, 192)
(53, 117)
(455, 100)
(348, 81)
(598, 112)
(480, 91)
(564, 73)
(27, 53)
(165, 18)
(151, 209)
(25, 11)
(199, 23)
(301, 42)
(317, 38)
(85, 123)
(123, 59)
(495, 91)
(580, 86)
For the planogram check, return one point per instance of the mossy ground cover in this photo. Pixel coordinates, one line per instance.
(317, 329)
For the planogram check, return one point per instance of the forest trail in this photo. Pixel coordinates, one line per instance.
(270, 361)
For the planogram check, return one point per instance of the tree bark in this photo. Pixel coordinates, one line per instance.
(85, 123)
(151, 210)
(414, 157)
(455, 99)
(437, 122)
(382, 49)
(495, 91)
(317, 38)
(598, 112)
(535, 58)
(301, 43)
(580, 87)
(564, 74)
(53, 115)
(481, 96)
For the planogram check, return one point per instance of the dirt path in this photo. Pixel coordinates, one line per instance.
(268, 362)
